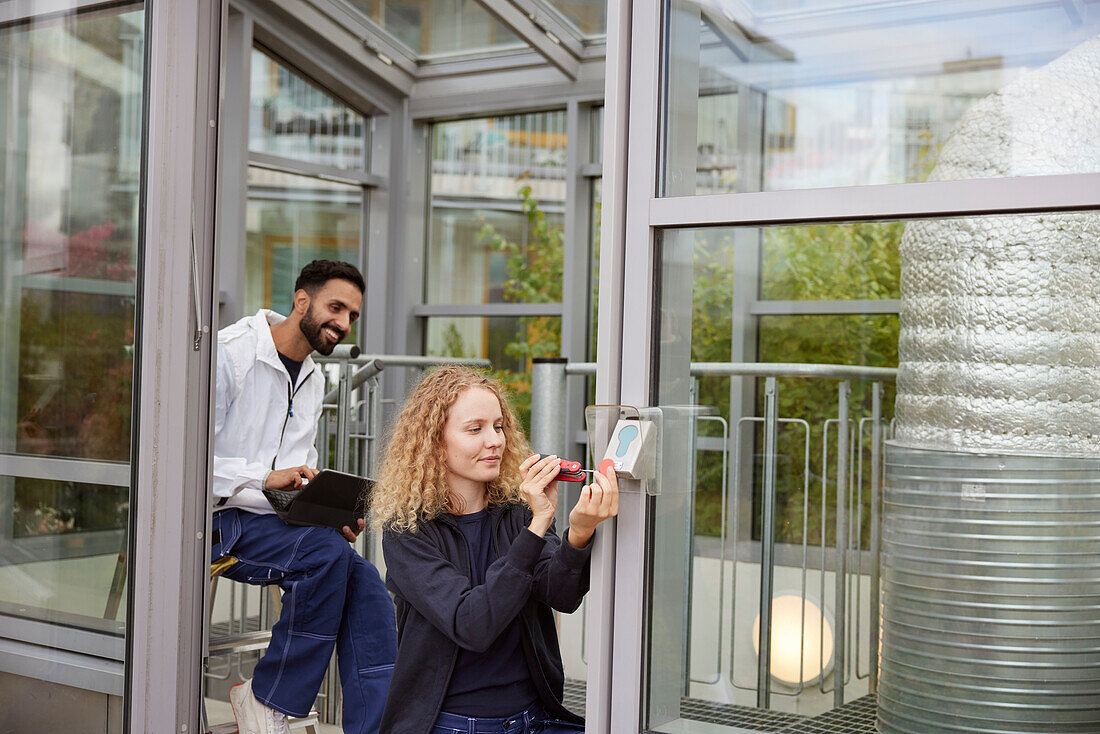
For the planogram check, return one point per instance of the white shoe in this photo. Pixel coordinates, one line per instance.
(252, 716)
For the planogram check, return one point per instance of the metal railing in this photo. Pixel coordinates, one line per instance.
(847, 558)
(350, 432)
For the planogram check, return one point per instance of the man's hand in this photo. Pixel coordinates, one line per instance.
(289, 478)
(350, 534)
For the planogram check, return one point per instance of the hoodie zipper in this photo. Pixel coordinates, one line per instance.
(289, 412)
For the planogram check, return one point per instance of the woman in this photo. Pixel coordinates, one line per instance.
(475, 565)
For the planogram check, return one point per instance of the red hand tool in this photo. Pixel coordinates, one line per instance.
(570, 471)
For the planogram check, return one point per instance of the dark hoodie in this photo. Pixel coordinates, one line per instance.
(438, 610)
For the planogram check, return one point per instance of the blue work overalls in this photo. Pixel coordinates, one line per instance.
(333, 597)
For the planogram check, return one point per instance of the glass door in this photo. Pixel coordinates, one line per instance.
(763, 180)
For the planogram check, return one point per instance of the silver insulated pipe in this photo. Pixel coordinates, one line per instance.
(991, 535)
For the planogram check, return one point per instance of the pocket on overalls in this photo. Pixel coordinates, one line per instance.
(225, 531)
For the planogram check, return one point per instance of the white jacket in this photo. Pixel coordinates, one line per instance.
(261, 421)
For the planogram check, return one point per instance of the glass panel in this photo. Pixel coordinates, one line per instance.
(70, 165)
(292, 117)
(292, 220)
(439, 26)
(508, 342)
(816, 94)
(498, 193)
(994, 349)
(590, 16)
(831, 262)
(47, 507)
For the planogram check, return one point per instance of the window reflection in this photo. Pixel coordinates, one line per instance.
(293, 118)
(70, 221)
(498, 186)
(439, 26)
(823, 94)
(292, 220)
(589, 16)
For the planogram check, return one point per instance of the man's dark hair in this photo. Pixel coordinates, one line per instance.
(314, 276)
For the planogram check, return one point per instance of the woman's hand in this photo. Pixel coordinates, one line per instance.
(598, 501)
(540, 489)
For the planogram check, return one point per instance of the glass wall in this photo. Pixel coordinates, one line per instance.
(821, 95)
(70, 161)
(961, 299)
(812, 376)
(301, 141)
(498, 189)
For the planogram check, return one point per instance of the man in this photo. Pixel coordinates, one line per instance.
(269, 395)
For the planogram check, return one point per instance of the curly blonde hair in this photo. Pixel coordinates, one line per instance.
(412, 488)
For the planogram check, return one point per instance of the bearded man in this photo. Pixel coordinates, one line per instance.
(269, 395)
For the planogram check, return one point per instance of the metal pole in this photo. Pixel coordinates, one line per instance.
(876, 527)
(361, 375)
(374, 426)
(548, 405)
(767, 545)
(343, 404)
(548, 417)
(765, 369)
(331, 708)
(839, 644)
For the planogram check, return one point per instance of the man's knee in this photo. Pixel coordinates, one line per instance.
(325, 547)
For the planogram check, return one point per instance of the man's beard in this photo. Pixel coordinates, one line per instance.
(311, 329)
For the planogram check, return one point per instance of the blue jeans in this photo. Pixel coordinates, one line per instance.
(333, 598)
(532, 720)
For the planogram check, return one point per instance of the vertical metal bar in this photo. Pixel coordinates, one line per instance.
(876, 538)
(823, 546)
(805, 555)
(548, 416)
(857, 534)
(839, 646)
(767, 545)
(733, 499)
(375, 447)
(340, 460)
(342, 407)
(548, 405)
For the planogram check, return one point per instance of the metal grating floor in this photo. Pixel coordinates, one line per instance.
(745, 717)
(855, 717)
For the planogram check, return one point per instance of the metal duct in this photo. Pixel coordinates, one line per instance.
(999, 347)
(991, 534)
(991, 590)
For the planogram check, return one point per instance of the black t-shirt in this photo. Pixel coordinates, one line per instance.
(496, 682)
(292, 367)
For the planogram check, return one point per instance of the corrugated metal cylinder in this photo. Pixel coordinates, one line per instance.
(991, 594)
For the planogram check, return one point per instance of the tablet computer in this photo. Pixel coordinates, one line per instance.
(332, 499)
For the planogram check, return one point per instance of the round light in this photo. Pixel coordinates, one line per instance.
(802, 640)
